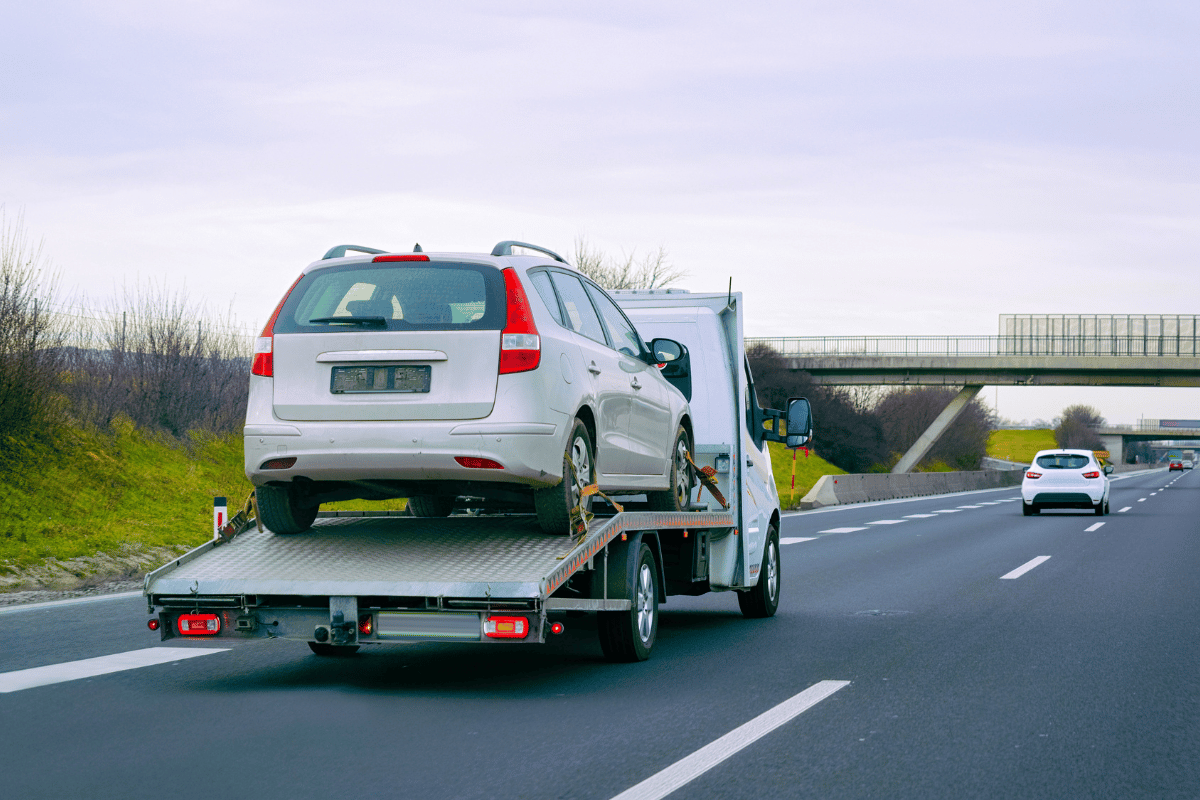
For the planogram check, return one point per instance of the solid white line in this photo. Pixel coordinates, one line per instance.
(797, 539)
(842, 530)
(1021, 570)
(89, 667)
(1095, 527)
(1123, 510)
(70, 601)
(688, 769)
(887, 522)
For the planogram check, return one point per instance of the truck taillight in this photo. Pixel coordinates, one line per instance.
(506, 627)
(264, 345)
(520, 345)
(366, 625)
(198, 624)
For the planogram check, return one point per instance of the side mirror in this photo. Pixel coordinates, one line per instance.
(666, 350)
(675, 363)
(1108, 469)
(799, 421)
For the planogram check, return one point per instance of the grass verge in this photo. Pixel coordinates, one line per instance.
(1020, 445)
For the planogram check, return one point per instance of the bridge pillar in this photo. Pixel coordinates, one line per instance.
(1115, 445)
(928, 439)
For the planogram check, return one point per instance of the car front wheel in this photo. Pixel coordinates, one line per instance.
(554, 503)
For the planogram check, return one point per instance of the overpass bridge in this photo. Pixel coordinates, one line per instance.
(1168, 358)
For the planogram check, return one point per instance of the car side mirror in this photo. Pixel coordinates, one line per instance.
(799, 422)
(1108, 469)
(675, 363)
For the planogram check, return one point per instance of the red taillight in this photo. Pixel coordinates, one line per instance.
(413, 257)
(557, 627)
(199, 624)
(279, 463)
(506, 627)
(1091, 474)
(264, 345)
(520, 345)
(1033, 474)
(366, 625)
(152, 624)
(472, 462)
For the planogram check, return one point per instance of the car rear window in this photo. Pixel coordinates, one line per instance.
(1063, 461)
(396, 296)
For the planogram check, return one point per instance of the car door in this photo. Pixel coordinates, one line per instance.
(603, 364)
(650, 431)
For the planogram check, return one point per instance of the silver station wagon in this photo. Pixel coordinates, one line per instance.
(459, 379)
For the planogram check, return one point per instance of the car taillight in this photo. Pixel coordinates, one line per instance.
(279, 463)
(473, 462)
(1091, 474)
(1033, 474)
(506, 627)
(412, 257)
(264, 345)
(199, 624)
(520, 345)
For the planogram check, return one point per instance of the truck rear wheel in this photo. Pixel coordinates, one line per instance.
(430, 506)
(628, 636)
(282, 510)
(762, 600)
(554, 503)
(678, 497)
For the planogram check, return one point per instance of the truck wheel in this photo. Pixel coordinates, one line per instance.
(337, 650)
(678, 497)
(281, 509)
(628, 636)
(430, 506)
(762, 600)
(554, 503)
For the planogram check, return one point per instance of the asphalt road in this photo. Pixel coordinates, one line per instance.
(1076, 678)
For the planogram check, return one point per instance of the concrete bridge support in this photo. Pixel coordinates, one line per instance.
(1115, 445)
(929, 438)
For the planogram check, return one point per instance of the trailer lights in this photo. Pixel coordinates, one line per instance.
(199, 624)
(366, 625)
(152, 624)
(557, 627)
(506, 627)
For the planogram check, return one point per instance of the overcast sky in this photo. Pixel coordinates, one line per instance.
(855, 167)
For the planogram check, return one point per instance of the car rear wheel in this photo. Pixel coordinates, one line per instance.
(1029, 509)
(554, 503)
(430, 506)
(1101, 508)
(283, 510)
(678, 497)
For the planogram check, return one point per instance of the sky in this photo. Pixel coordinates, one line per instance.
(856, 168)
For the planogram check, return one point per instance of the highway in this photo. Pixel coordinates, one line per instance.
(939, 647)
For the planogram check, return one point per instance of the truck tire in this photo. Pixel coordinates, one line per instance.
(554, 503)
(628, 636)
(430, 506)
(337, 650)
(762, 600)
(678, 497)
(282, 510)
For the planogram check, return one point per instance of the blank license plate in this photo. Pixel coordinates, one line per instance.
(360, 380)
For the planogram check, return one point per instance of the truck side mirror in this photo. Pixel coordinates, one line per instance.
(799, 421)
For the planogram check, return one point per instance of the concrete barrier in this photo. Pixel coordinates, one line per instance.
(833, 490)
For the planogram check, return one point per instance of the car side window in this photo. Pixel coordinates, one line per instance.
(541, 282)
(624, 336)
(581, 317)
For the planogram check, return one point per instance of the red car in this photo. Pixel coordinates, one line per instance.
(1176, 465)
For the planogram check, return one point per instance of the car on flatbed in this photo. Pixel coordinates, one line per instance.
(509, 379)
(1066, 479)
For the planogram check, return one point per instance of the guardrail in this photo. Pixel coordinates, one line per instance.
(1112, 346)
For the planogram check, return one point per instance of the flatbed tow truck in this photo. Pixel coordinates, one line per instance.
(372, 578)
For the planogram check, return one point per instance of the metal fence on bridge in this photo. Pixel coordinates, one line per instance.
(1141, 346)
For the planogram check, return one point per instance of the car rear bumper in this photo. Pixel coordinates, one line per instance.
(1063, 499)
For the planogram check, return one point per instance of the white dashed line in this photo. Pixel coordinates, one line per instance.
(968, 506)
(842, 530)
(946, 511)
(919, 516)
(103, 665)
(887, 522)
(1141, 499)
(1095, 527)
(1123, 510)
(797, 539)
(688, 769)
(1021, 570)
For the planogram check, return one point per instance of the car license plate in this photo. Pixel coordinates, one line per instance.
(361, 380)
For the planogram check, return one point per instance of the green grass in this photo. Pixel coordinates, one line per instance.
(1020, 445)
(808, 471)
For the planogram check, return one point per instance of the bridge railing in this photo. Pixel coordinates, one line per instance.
(1119, 346)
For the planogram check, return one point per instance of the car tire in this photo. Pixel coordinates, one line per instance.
(554, 503)
(762, 600)
(282, 509)
(679, 496)
(1027, 509)
(430, 506)
(628, 636)
(336, 650)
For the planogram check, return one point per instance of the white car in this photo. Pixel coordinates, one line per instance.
(1066, 479)
(1187, 464)
(435, 376)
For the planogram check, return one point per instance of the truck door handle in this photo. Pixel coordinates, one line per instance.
(592, 368)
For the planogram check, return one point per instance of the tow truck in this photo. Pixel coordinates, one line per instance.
(376, 578)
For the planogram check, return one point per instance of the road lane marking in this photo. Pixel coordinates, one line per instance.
(887, 522)
(946, 511)
(1123, 510)
(1141, 499)
(688, 769)
(1095, 527)
(919, 516)
(797, 539)
(1021, 570)
(103, 665)
(991, 503)
(70, 601)
(842, 530)
(968, 506)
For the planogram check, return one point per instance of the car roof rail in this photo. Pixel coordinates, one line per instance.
(505, 249)
(340, 250)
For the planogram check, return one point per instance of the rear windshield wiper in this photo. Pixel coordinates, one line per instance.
(376, 322)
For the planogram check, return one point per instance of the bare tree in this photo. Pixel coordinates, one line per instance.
(1077, 428)
(652, 272)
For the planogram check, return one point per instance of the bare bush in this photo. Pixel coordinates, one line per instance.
(1077, 428)
(652, 272)
(907, 413)
(30, 340)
